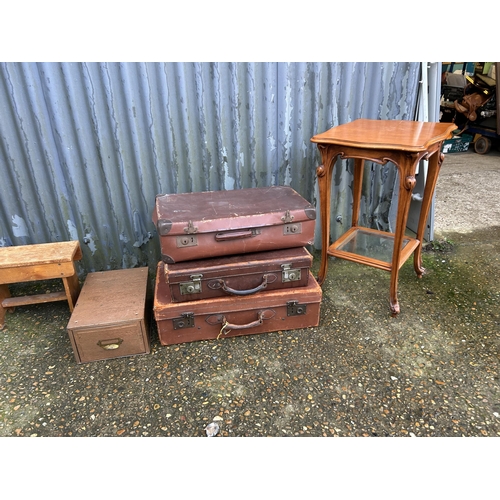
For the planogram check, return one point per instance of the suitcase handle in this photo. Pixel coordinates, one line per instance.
(262, 315)
(234, 235)
(220, 283)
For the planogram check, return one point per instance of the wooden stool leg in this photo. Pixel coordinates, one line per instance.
(4, 293)
(72, 288)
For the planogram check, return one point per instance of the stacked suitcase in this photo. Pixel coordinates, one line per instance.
(234, 263)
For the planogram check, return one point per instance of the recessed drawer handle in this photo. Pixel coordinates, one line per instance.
(109, 345)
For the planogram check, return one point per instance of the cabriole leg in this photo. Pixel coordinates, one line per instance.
(433, 168)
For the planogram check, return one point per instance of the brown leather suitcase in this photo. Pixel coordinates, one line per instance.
(222, 317)
(216, 223)
(238, 275)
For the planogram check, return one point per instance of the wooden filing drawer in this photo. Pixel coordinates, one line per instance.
(109, 317)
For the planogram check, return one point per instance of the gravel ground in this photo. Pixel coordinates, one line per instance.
(431, 371)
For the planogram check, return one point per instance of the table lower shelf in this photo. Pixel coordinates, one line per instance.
(371, 247)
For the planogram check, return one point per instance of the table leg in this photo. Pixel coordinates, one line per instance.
(4, 293)
(72, 289)
(359, 164)
(324, 175)
(434, 166)
(406, 184)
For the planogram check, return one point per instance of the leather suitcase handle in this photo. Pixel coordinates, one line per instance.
(262, 315)
(234, 235)
(220, 283)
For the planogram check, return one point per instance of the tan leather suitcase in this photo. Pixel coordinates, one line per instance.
(223, 317)
(238, 275)
(195, 226)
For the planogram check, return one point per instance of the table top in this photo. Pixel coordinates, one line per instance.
(42, 253)
(401, 135)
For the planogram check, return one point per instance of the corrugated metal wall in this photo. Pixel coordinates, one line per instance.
(86, 147)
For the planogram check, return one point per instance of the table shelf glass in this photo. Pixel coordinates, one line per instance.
(371, 247)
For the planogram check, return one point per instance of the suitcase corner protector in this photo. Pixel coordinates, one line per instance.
(310, 213)
(164, 226)
(167, 259)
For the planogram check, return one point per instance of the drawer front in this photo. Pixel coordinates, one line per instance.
(110, 342)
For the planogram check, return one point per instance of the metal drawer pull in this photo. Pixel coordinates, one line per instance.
(109, 345)
(220, 283)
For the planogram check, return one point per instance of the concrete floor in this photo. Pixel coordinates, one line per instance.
(467, 193)
(432, 371)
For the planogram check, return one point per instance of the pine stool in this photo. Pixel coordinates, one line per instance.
(19, 264)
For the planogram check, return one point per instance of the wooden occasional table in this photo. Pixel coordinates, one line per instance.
(403, 143)
(44, 261)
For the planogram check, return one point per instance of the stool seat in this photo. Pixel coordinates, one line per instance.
(19, 264)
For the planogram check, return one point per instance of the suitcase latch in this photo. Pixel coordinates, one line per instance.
(292, 228)
(187, 241)
(287, 218)
(193, 286)
(288, 274)
(190, 229)
(190, 240)
(293, 308)
(185, 321)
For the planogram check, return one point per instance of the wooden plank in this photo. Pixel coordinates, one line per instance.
(44, 253)
(72, 288)
(33, 299)
(36, 272)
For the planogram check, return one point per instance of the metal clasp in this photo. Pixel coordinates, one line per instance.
(185, 321)
(288, 274)
(190, 229)
(293, 308)
(292, 228)
(193, 286)
(187, 241)
(287, 218)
